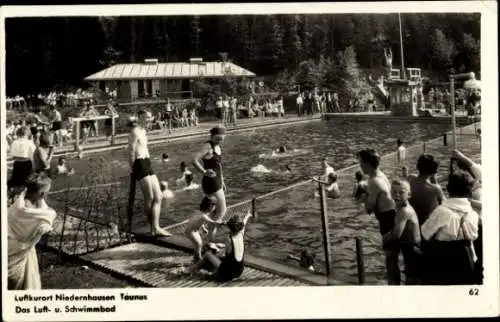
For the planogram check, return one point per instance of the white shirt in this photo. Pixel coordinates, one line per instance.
(218, 104)
(402, 153)
(57, 116)
(454, 219)
(23, 148)
(299, 100)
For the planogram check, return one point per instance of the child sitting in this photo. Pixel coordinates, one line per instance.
(230, 266)
(360, 187)
(166, 193)
(197, 222)
(406, 231)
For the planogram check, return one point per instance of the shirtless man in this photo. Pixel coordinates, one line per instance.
(140, 164)
(379, 202)
(425, 195)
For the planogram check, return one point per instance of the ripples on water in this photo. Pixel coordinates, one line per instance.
(289, 221)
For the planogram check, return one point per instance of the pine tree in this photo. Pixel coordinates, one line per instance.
(276, 43)
(195, 35)
(443, 50)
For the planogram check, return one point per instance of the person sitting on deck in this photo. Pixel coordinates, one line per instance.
(449, 255)
(406, 231)
(232, 265)
(197, 223)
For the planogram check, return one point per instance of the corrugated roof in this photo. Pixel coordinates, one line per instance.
(169, 70)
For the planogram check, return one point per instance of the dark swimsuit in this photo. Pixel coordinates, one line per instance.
(208, 184)
(56, 126)
(142, 168)
(230, 268)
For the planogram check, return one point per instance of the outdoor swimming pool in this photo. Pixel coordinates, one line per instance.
(289, 221)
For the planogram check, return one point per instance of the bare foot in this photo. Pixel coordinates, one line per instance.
(160, 232)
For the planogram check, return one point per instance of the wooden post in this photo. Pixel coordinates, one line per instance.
(77, 135)
(360, 261)
(453, 118)
(130, 208)
(326, 236)
(113, 127)
(445, 139)
(425, 148)
(254, 207)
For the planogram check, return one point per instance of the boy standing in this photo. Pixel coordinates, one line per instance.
(406, 231)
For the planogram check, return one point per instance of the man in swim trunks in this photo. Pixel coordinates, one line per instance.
(379, 202)
(140, 164)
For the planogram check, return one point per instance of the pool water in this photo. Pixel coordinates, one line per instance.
(284, 223)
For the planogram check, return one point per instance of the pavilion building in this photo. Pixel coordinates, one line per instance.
(153, 79)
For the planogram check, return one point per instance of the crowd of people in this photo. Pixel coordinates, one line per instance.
(61, 99)
(439, 237)
(465, 100)
(174, 115)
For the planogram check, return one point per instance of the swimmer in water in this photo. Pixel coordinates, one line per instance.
(62, 167)
(164, 157)
(166, 193)
(404, 172)
(142, 172)
(281, 149)
(198, 222)
(327, 168)
(332, 186)
(187, 179)
(187, 175)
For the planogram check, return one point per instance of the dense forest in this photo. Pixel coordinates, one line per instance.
(47, 53)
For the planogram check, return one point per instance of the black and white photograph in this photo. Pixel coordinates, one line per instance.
(282, 149)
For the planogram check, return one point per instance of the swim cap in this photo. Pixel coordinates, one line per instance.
(218, 131)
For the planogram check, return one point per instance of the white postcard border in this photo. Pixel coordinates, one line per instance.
(297, 302)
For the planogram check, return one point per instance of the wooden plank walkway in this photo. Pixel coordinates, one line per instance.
(162, 267)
